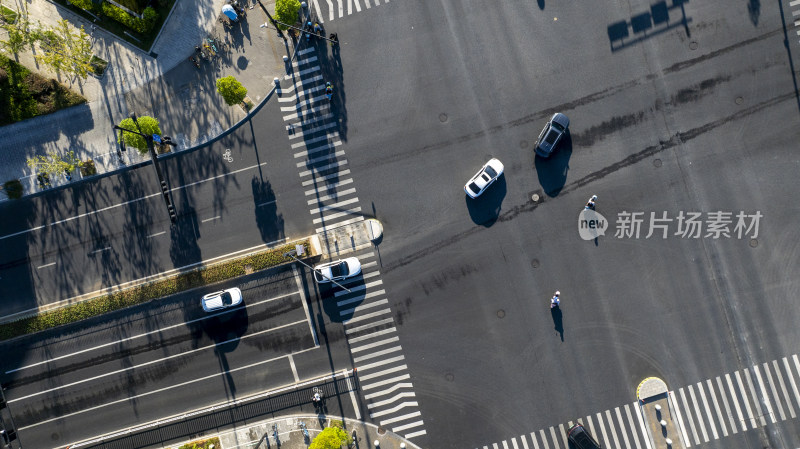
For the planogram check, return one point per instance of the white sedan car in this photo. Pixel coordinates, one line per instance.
(338, 270)
(222, 299)
(484, 178)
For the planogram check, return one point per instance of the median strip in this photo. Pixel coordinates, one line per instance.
(164, 286)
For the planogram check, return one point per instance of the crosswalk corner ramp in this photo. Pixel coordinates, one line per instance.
(658, 412)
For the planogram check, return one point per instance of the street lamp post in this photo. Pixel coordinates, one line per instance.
(292, 255)
(173, 215)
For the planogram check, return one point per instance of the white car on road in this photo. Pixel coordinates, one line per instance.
(337, 270)
(484, 178)
(222, 299)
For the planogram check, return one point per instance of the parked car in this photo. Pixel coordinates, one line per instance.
(222, 299)
(337, 270)
(552, 133)
(581, 438)
(484, 178)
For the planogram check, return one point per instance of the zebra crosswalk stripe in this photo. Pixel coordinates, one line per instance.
(622, 427)
(753, 395)
(612, 428)
(764, 394)
(786, 397)
(544, 439)
(725, 403)
(790, 375)
(768, 376)
(591, 425)
(707, 409)
(746, 402)
(602, 430)
(716, 407)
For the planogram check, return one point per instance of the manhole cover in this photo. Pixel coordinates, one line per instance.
(442, 117)
(657, 162)
(693, 45)
(739, 100)
(381, 430)
(501, 313)
(535, 197)
(449, 377)
(535, 263)
(523, 144)
(753, 243)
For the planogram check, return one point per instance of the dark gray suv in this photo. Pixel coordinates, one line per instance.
(552, 133)
(580, 438)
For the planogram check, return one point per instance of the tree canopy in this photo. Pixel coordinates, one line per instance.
(330, 438)
(286, 11)
(149, 127)
(231, 90)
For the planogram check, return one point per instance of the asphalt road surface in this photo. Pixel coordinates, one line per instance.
(694, 114)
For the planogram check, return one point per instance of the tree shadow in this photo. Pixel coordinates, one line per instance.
(754, 10)
(269, 221)
(485, 209)
(552, 171)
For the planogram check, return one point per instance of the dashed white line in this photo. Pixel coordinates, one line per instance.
(100, 250)
(156, 234)
(209, 219)
(45, 265)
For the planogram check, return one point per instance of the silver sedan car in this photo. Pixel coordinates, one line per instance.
(552, 133)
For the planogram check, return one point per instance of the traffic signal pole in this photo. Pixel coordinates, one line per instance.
(165, 193)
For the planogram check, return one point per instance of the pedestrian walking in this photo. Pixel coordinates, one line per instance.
(590, 204)
(555, 300)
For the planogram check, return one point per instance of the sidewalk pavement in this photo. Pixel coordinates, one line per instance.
(163, 84)
(290, 434)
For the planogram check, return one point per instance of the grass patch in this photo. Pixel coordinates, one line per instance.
(8, 15)
(24, 94)
(13, 189)
(141, 40)
(202, 444)
(98, 66)
(146, 292)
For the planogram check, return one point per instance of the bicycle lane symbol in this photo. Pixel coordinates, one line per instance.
(227, 155)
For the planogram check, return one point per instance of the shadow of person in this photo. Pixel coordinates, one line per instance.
(558, 323)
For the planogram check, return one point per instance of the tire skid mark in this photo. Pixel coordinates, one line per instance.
(676, 140)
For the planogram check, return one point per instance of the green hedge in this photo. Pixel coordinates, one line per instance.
(141, 25)
(13, 189)
(84, 4)
(143, 293)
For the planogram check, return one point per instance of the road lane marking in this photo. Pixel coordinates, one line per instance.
(377, 354)
(622, 427)
(327, 157)
(768, 375)
(155, 331)
(677, 415)
(353, 396)
(591, 425)
(755, 397)
(555, 438)
(785, 392)
(721, 418)
(171, 387)
(790, 375)
(333, 206)
(100, 250)
(742, 420)
(321, 179)
(385, 382)
(602, 429)
(299, 281)
(392, 389)
(401, 418)
(381, 373)
(156, 234)
(337, 195)
(697, 414)
(398, 396)
(765, 394)
(746, 401)
(372, 335)
(294, 368)
(267, 203)
(367, 316)
(544, 439)
(632, 425)
(728, 412)
(412, 425)
(689, 416)
(156, 361)
(209, 219)
(114, 206)
(372, 345)
(373, 324)
(362, 307)
(613, 428)
(707, 409)
(45, 265)
(388, 361)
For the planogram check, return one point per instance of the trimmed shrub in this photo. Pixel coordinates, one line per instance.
(84, 4)
(134, 23)
(88, 168)
(13, 189)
